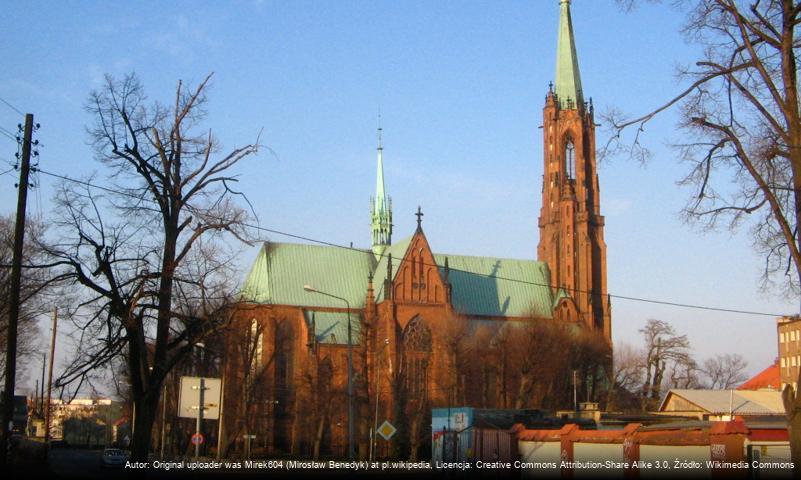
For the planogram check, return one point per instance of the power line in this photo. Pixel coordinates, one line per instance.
(494, 277)
(12, 107)
(9, 135)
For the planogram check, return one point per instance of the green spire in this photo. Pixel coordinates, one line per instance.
(568, 80)
(380, 197)
(381, 213)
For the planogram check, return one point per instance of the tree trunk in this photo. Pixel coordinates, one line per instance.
(146, 408)
(318, 438)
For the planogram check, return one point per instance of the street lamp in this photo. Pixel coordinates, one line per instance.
(351, 451)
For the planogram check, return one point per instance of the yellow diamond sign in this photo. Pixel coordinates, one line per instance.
(387, 430)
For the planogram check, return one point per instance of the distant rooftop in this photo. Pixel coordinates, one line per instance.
(767, 379)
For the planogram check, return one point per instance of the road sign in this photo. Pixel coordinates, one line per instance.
(189, 397)
(387, 430)
(197, 439)
(459, 421)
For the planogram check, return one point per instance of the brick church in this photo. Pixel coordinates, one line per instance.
(405, 309)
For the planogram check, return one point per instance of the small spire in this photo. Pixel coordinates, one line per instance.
(381, 214)
(568, 79)
(380, 130)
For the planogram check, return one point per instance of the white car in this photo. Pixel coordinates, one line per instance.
(113, 457)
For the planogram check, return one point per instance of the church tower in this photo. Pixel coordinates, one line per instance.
(571, 225)
(381, 208)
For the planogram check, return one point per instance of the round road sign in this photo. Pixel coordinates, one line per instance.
(197, 438)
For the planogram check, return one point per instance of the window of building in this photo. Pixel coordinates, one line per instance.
(781, 337)
(784, 363)
(570, 166)
(416, 353)
(792, 360)
(256, 340)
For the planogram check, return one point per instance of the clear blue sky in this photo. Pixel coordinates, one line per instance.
(460, 86)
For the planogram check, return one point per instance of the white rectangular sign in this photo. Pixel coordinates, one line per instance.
(189, 399)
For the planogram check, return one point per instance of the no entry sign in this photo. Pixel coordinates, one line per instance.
(197, 439)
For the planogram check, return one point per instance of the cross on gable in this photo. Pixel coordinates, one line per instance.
(419, 216)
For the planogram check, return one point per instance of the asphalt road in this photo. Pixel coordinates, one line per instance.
(77, 463)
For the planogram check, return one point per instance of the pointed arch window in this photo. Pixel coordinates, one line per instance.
(416, 353)
(570, 160)
(255, 347)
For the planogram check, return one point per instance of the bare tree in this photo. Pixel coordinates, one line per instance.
(33, 288)
(626, 375)
(530, 364)
(725, 371)
(135, 246)
(662, 347)
(252, 350)
(741, 113)
(684, 372)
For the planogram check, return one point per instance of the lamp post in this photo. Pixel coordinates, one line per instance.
(351, 451)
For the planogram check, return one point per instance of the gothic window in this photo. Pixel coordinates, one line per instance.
(256, 347)
(570, 162)
(416, 352)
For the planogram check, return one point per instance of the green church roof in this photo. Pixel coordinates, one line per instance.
(503, 287)
(282, 269)
(482, 286)
(568, 79)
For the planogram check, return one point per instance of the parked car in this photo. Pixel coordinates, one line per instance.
(113, 458)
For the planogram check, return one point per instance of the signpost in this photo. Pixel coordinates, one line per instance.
(387, 430)
(199, 398)
(248, 439)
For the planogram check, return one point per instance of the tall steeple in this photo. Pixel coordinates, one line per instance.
(568, 79)
(571, 224)
(381, 208)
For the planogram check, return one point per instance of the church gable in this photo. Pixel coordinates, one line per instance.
(565, 310)
(418, 279)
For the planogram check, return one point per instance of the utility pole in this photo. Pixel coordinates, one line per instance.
(50, 375)
(42, 385)
(13, 300)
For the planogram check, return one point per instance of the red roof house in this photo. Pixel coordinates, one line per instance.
(767, 379)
